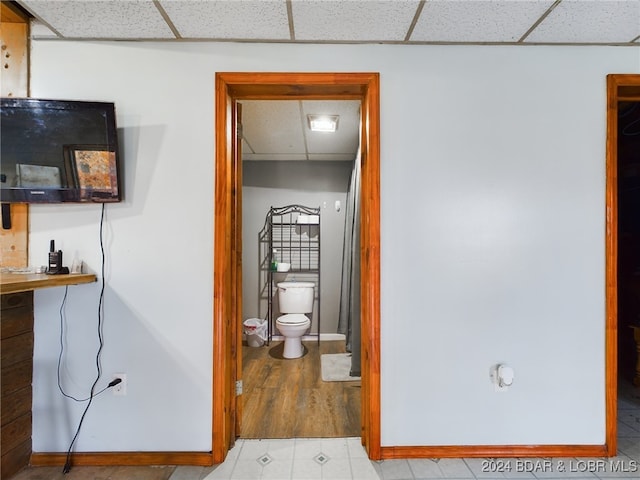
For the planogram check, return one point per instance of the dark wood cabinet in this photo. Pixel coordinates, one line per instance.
(17, 368)
(16, 362)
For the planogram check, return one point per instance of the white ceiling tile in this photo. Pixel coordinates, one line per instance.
(229, 19)
(346, 138)
(278, 130)
(353, 20)
(101, 18)
(273, 126)
(477, 20)
(585, 21)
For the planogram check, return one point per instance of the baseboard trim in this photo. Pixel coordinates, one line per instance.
(205, 459)
(494, 451)
(202, 459)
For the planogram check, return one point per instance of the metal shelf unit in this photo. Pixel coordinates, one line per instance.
(293, 231)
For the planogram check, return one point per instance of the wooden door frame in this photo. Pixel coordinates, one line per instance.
(620, 87)
(229, 88)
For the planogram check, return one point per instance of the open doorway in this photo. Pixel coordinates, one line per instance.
(623, 95)
(230, 89)
(299, 216)
(627, 107)
(628, 171)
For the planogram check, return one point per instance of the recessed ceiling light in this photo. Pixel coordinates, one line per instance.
(323, 123)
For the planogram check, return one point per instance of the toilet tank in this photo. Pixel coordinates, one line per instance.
(295, 297)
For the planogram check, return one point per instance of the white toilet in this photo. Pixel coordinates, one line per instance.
(295, 299)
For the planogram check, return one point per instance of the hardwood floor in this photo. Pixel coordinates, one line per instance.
(288, 399)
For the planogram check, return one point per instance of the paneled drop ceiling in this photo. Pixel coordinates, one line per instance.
(278, 130)
(580, 22)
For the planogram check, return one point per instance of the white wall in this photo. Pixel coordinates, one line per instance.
(492, 240)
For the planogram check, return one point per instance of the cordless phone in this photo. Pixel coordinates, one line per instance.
(55, 261)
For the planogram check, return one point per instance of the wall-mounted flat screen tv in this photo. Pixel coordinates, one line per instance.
(58, 151)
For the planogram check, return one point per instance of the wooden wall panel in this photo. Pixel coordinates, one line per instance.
(16, 432)
(13, 405)
(14, 243)
(15, 61)
(16, 377)
(14, 82)
(14, 460)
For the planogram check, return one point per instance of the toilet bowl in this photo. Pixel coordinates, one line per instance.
(292, 327)
(295, 299)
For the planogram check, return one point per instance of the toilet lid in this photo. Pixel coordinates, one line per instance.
(293, 318)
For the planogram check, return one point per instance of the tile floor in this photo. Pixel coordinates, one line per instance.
(345, 459)
(298, 459)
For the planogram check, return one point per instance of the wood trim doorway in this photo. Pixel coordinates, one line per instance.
(620, 88)
(231, 87)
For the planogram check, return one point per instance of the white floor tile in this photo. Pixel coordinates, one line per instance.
(293, 459)
(363, 469)
(455, 468)
(631, 450)
(356, 450)
(253, 449)
(425, 468)
(306, 449)
(235, 451)
(282, 449)
(190, 473)
(246, 470)
(335, 447)
(337, 469)
(278, 470)
(396, 470)
(625, 430)
(222, 471)
(306, 469)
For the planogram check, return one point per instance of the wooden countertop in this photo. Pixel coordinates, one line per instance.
(22, 282)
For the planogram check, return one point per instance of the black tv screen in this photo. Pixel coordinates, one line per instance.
(58, 151)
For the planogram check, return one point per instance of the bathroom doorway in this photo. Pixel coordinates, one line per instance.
(230, 89)
(622, 234)
(292, 173)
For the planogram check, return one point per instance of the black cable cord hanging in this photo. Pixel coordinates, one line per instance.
(67, 465)
(60, 387)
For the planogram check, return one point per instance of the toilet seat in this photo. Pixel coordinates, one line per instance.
(293, 319)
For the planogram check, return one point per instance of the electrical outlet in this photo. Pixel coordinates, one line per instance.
(121, 388)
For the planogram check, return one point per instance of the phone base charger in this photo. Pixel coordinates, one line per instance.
(60, 271)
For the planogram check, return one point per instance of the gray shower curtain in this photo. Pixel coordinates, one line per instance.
(349, 317)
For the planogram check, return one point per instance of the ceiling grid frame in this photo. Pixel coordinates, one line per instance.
(403, 22)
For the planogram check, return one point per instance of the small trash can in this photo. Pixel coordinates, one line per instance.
(255, 330)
